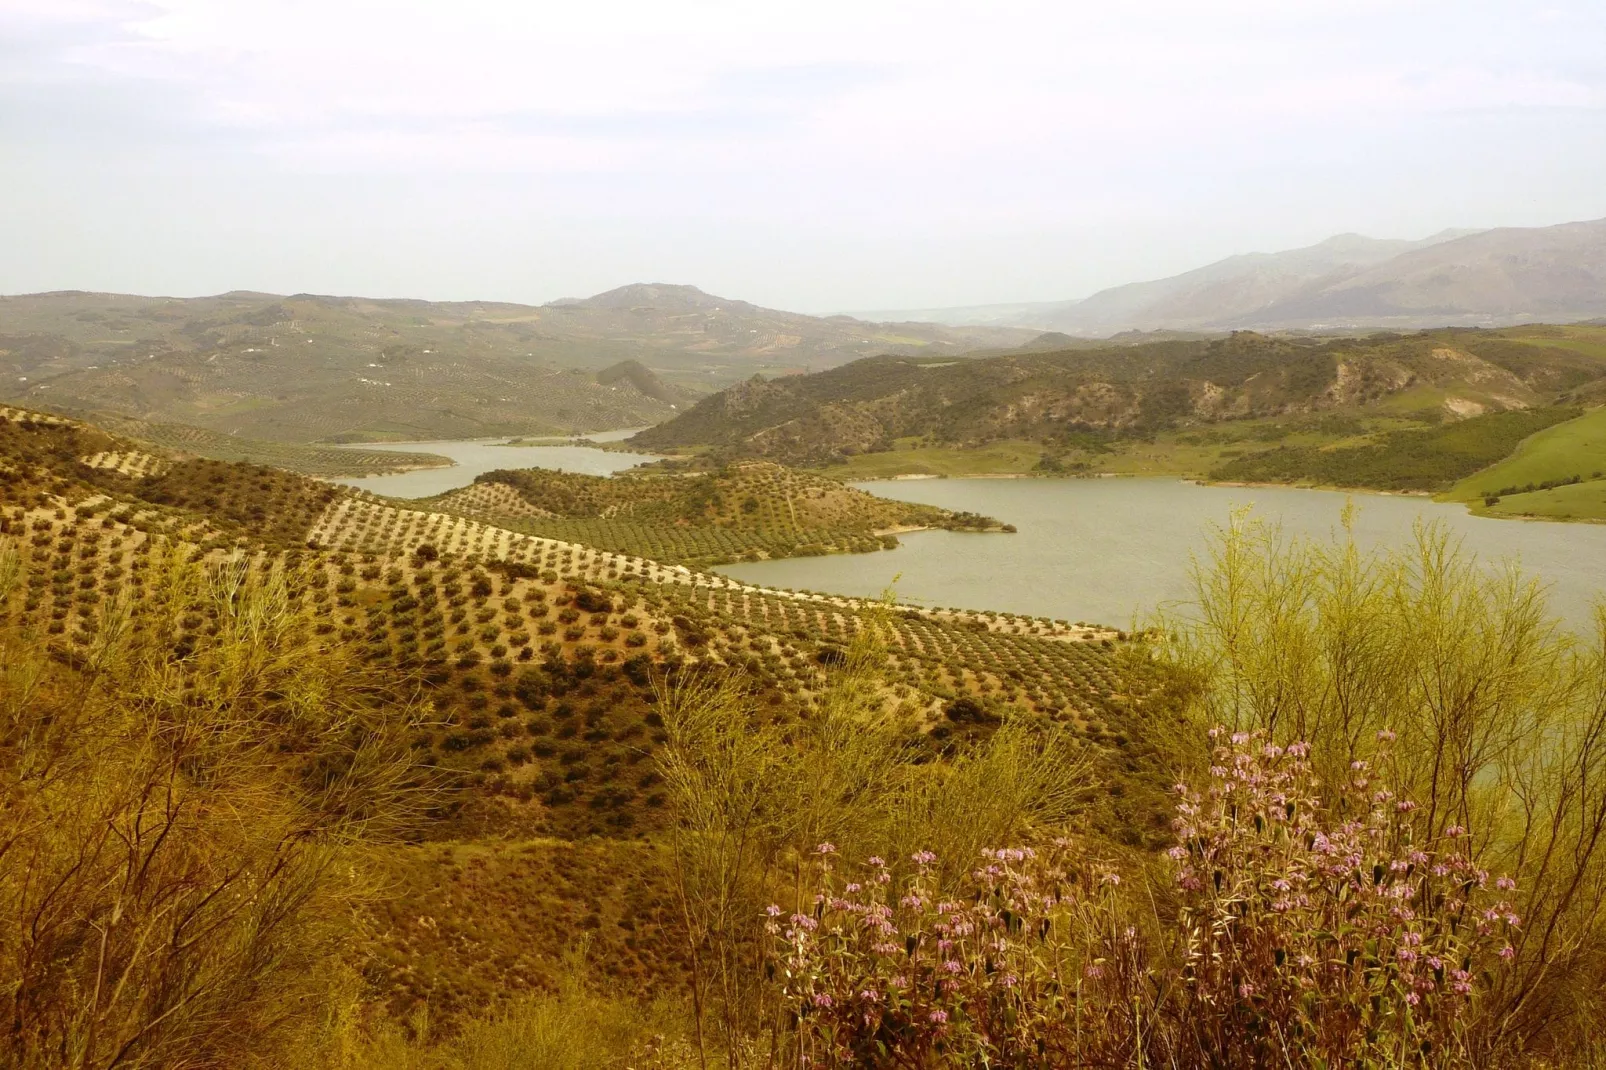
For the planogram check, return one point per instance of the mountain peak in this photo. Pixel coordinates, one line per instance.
(654, 295)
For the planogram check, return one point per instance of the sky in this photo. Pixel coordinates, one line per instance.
(816, 155)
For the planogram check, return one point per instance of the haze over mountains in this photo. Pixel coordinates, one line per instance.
(1496, 277)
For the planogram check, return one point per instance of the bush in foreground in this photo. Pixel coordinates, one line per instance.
(1300, 935)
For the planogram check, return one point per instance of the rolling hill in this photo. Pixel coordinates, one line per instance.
(308, 368)
(1136, 390)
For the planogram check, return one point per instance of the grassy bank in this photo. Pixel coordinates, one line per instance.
(1555, 474)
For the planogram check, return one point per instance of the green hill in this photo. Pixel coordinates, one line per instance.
(337, 782)
(1558, 473)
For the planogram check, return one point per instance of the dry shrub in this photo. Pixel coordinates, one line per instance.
(752, 800)
(181, 816)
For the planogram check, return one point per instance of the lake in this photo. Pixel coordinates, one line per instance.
(1110, 550)
(477, 456)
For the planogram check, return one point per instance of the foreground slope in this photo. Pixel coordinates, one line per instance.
(542, 659)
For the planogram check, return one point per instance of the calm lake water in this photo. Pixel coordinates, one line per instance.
(477, 456)
(1110, 550)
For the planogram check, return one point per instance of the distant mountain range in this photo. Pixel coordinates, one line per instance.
(309, 368)
(1501, 277)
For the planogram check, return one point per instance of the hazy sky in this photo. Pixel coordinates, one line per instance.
(810, 154)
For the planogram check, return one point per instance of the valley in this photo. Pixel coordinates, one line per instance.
(542, 660)
(475, 595)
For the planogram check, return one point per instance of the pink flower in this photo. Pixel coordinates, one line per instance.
(1508, 952)
(826, 849)
(938, 1017)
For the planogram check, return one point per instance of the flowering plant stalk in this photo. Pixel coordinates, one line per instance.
(1300, 935)
(1338, 935)
(1014, 974)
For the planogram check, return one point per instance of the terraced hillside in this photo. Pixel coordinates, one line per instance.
(308, 460)
(748, 511)
(542, 660)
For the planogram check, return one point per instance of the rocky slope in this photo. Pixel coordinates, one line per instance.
(1136, 389)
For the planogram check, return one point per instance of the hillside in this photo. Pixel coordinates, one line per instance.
(541, 660)
(749, 511)
(1091, 401)
(309, 368)
(308, 460)
(1227, 293)
(1558, 474)
(1509, 275)
(723, 338)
